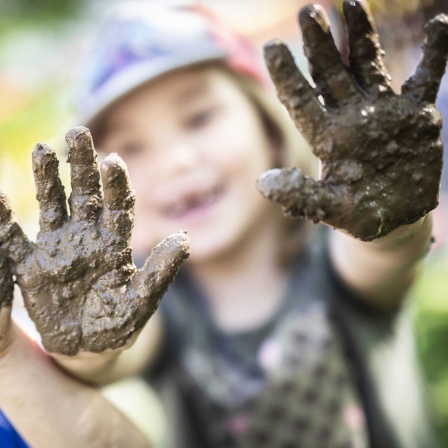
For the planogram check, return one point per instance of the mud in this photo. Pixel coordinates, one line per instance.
(78, 280)
(6, 283)
(381, 152)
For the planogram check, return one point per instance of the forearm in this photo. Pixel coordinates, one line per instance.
(52, 410)
(382, 271)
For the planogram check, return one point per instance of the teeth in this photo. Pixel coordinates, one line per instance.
(187, 204)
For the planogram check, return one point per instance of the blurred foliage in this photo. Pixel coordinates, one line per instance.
(37, 119)
(33, 88)
(39, 12)
(431, 297)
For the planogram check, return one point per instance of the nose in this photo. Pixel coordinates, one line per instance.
(178, 157)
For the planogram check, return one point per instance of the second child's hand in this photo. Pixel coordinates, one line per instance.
(78, 280)
(381, 152)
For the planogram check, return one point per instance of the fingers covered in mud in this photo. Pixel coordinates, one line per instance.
(119, 197)
(332, 79)
(425, 83)
(12, 239)
(293, 90)
(78, 281)
(366, 55)
(49, 189)
(6, 282)
(6, 217)
(6, 297)
(86, 197)
(370, 140)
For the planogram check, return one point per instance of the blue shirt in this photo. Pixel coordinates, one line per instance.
(9, 437)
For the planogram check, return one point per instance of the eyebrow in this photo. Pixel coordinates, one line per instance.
(189, 93)
(193, 91)
(111, 127)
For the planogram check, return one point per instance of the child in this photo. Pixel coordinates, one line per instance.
(269, 337)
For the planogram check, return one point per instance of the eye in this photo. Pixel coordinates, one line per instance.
(200, 118)
(130, 149)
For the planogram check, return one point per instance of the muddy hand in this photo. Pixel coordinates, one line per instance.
(381, 152)
(6, 296)
(78, 280)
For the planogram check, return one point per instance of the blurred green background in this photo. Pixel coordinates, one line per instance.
(430, 296)
(40, 44)
(34, 36)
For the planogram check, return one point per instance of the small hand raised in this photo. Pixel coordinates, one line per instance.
(78, 280)
(381, 152)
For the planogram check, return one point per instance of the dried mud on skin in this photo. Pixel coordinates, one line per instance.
(78, 280)
(6, 282)
(381, 152)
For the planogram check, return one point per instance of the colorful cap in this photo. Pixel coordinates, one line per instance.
(142, 43)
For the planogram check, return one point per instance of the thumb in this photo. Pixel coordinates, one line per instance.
(151, 282)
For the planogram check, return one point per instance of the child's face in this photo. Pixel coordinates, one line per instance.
(194, 145)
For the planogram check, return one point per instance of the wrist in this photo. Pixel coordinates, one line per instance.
(87, 366)
(381, 271)
(417, 236)
(95, 368)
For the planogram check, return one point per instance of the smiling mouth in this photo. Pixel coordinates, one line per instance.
(190, 204)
